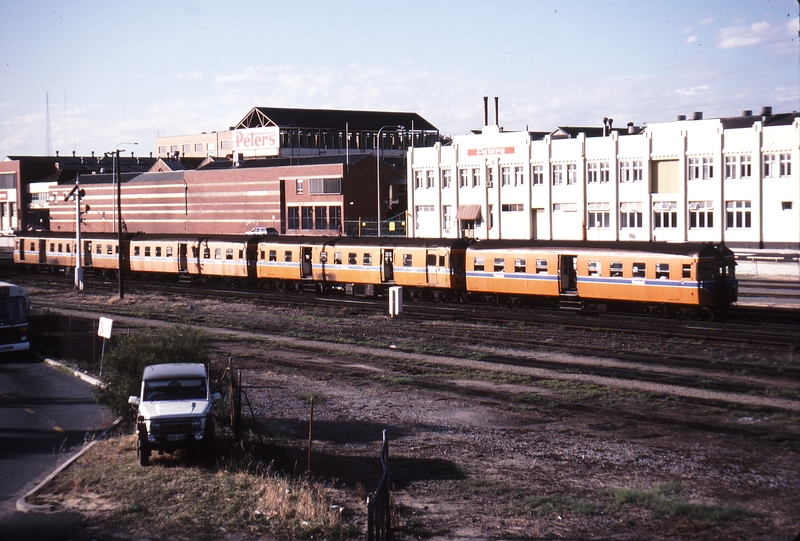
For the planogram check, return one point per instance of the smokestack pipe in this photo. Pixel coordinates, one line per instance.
(496, 112)
(486, 110)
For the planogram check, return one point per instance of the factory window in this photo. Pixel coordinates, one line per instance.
(572, 173)
(738, 214)
(638, 171)
(293, 219)
(173, 149)
(298, 184)
(730, 167)
(595, 268)
(206, 253)
(639, 270)
(169, 251)
(158, 251)
(99, 249)
(287, 256)
(604, 172)
(490, 177)
(519, 265)
(616, 269)
(217, 253)
(769, 165)
(565, 207)
(786, 205)
(505, 176)
(187, 148)
(512, 207)
(665, 214)
(429, 179)
(335, 216)
(591, 173)
(686, 270)
(662, 271)
(351, 258)
(785, 165)
(541, 266)
(198, 147)
(476, 177)
(367, 259)
(320, 218)
(538, 175)
(708, 168)
(745, 166)
(625, 171)
(447, 216)
(598, 215)
(229, 253)
(321, 186)
(407, 260)
(273, 255)
(701, 214)
(308, 217)
(518, 178)
(463, 178)
(162, 150)
(211, 146)
(630, 215)
(694, 168)
(447, 179)
(499, 264)
(558, 175)
(147, 251)
(323, 257)
(224, 145)
(418, 179)
(337, 258)
(478, 264)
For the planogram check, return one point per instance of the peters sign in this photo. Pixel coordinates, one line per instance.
(262, 140)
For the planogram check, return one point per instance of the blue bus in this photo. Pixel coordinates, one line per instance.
(13, 318)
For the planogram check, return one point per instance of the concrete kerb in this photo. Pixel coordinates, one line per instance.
(22, 503)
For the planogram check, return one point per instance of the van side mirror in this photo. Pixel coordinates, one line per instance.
(133, 400)
(215, 397)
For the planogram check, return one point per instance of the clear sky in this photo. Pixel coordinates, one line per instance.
(131, 71)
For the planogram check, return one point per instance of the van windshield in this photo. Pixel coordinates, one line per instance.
(175, 389)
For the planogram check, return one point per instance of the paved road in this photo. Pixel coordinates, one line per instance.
(45, 416)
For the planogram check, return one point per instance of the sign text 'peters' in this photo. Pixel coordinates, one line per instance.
(256, 139)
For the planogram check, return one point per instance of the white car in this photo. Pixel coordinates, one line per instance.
(265, 231)
(174, 409)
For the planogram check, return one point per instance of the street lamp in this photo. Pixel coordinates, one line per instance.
(378, 155)
(119, 217)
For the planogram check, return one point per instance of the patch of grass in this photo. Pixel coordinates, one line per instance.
(310, 396)
(663, 500)
(392, 380)
(561, 505)
(783, 393)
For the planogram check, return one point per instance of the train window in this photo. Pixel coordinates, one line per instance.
(478, 264)
(595, 268)
(323, 257)
(687, 270)
(519, 265)
(136, 251)
(206, 253)
(110, 249)
(147, 251)
(99, 249)
(217, 253)
(52, 246)
(499, 264)
(337, 258)
(367, 260)
(273, 255)
(407, 260)
(158, 251)
(194, 252)
(730, 269)
(287, 256)
(241, 254)
(169, 251)
(639, 270)
(662, 271)
(60, 248)
(228, 253)
(430, 260)
(116, 249)
(705, 271)
(541, 266)
(351, 258)
(33, 246)
(69, 248)
(616, 268)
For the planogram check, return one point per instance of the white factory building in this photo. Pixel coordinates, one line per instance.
(734, 180)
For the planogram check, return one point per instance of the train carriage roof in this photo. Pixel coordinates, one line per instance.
(689, 249)
(383, 242)
(71, 235)
(189, 238)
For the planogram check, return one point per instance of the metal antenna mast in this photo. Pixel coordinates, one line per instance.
(47, 149)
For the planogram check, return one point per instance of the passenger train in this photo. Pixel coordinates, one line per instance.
(671, 279)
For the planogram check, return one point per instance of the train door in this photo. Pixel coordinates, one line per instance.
(388, 266)
(42, 251)
(183, 263)
(87, 253)
(431, 270)
(305, 266)
(567, 273)
(252, 261)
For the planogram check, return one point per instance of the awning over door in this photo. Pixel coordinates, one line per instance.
(468, 212)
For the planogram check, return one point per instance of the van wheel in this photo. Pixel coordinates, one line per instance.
(143, 451)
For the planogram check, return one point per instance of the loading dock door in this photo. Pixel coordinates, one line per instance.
(568, 276)
(388, 266)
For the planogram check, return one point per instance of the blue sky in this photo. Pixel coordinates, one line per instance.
(130, 71)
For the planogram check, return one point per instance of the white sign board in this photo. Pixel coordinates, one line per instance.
(104, 329)
(262, 140)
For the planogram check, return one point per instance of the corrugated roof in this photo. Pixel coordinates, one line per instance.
(333, 119)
